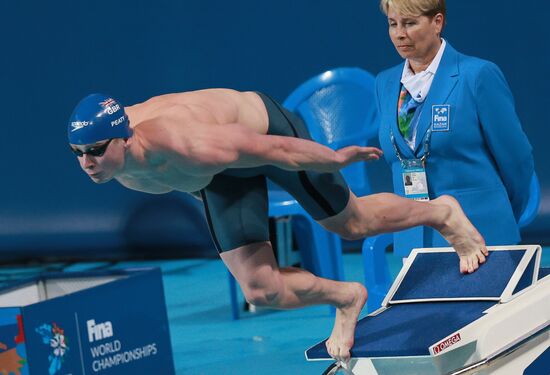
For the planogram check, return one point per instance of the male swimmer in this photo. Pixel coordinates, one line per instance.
(222, 145)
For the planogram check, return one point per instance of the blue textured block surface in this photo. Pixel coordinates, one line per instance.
(527, 277)
(437, 275)
(408, 329)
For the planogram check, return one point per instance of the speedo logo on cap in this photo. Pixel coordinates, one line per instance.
(110, 105)
(80, 124)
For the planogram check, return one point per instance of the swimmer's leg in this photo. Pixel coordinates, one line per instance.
(265, 284)
(381, 213)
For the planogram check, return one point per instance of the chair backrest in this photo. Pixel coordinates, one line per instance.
(530, 211)
(339, 109)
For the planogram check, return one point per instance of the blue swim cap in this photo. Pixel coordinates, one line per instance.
(97, 117)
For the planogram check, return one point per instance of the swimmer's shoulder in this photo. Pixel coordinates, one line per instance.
(162, 139)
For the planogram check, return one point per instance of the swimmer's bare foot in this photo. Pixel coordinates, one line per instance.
(461, 234)
(342, 336)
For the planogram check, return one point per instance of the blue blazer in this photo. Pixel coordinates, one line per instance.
(482, 157)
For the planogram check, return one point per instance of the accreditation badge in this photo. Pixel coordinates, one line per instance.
(414, 179)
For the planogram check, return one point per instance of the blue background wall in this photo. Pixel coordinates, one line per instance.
(56, 52)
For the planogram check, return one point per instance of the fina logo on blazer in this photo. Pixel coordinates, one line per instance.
(441, 117)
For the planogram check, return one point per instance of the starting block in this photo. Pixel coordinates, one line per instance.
(84, 323)
(435, 320)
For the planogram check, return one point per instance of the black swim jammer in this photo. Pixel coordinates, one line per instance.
(236, 202)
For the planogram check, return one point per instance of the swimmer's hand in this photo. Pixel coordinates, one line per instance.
(352, 154)
(345, 156)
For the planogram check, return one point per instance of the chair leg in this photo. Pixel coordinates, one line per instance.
(321, 251)
(233, 296)
(376, 269)
(286, 255)
(329, 253)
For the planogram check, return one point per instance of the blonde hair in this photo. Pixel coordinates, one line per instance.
(415, 7)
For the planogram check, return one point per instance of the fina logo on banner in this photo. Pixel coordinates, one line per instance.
(114, 352)
(441, 117)
(99, 331)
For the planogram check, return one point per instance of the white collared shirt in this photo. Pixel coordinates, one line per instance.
(418, 85)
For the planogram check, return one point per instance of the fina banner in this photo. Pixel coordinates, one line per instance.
(120, 327)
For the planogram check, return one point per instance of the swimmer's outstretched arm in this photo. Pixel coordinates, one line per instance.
(214, 148)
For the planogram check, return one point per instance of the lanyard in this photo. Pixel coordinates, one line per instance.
(426, 146)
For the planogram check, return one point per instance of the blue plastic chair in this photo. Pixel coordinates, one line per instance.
(338, 109)
(377, 273)
(340, 105)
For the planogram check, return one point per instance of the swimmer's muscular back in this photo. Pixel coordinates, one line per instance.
(213, 106)
(165, 119)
